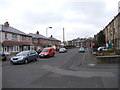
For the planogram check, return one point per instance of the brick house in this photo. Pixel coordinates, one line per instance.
(39, 41)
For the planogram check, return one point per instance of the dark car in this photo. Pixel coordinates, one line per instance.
(2, 56)
(47, 52)
(25, 57)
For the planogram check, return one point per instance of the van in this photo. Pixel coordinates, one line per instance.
(47, 52)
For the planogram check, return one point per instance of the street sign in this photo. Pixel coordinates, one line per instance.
(93, 44)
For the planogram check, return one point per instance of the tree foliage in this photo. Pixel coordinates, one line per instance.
(101, 38)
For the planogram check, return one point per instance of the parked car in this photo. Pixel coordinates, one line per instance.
(47, 52)
(81, 49)
(102, 49)
(62, 50)
(2, 56)
(25, 57)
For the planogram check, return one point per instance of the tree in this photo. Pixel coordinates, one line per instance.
(101, 38)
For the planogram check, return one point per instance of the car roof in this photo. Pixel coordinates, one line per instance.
(49, 48)
(62, 48)
(81, 47)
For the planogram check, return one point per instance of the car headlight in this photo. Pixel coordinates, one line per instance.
(11, 58)
(20, 58)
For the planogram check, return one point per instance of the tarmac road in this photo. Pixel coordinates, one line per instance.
(65, 70)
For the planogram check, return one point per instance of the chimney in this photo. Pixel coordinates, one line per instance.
(51, 36)
(37, 32)
(6, 24)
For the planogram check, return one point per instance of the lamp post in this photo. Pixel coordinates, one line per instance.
(63, 35)
(47, 29)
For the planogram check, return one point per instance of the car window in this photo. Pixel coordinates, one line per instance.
(50, 50)
(45, 50)
(32, 53)
(81, 48)
(23, 53)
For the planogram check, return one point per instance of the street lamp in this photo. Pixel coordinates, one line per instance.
(47, 29)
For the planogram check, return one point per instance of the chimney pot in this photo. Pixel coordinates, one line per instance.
(6, 24)
(37, 32)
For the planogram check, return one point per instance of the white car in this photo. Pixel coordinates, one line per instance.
(62, 50)
(102, 49)
(81, 49)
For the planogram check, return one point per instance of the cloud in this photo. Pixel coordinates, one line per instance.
(80, 18)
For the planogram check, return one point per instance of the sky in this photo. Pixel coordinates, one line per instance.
(79, 18)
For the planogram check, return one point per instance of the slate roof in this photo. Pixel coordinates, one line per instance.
(54, 39)
(12, 30)
(37, 36)
(43, 37)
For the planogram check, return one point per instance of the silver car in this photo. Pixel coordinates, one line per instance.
(25, 57)
(62, 50)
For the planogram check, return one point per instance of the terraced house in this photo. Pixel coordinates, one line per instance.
(13, 40)
(39, 41)
(112, 32)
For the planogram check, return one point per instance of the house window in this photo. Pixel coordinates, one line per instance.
(16, 48)
(23, 37)
(11, 48)
(5, 35)
(6, 49)
(14, 37)
(31, 47)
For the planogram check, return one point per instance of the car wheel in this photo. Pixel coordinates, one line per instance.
(53, 55)
(12, 63)
(36, 58)
(26, 61)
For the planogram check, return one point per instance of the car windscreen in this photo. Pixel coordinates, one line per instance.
(1, 53)
(46, 50)
(24, 53)
(62, 48)
(81, 49)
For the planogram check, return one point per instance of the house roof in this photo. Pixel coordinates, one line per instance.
(37, 36)
(43, 37)
(12, 30)
(54, 39)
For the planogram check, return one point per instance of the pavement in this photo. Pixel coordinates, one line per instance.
(0, 74)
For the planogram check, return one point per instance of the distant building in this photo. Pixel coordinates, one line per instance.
(78, 42)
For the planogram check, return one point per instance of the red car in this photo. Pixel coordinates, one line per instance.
(47, 52)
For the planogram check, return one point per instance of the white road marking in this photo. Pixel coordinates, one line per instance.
(91, 64)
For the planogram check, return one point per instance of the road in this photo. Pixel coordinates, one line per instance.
(65, 70)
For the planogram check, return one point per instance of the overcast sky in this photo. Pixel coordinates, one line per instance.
(79, 18)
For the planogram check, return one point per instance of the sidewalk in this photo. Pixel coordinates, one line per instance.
(90, 63)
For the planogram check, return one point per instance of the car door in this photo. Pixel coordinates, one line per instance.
(50, 52)
(34, 55)
(31, 56)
